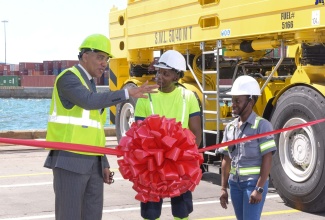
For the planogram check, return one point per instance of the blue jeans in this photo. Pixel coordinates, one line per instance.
(240, 193)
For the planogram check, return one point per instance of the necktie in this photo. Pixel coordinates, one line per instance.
(93, 85)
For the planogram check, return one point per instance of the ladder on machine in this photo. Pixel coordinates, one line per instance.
(209, 95)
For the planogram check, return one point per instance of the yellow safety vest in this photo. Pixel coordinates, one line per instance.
(75, 125)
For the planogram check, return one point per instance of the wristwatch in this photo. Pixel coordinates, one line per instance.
(259, 189)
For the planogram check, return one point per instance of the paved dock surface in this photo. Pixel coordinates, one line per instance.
(26, 192)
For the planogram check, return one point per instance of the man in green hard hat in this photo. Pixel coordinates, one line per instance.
(77, 115)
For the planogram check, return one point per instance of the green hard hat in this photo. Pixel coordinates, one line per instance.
(97, 42)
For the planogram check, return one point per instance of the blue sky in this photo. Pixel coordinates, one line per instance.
(39, 30)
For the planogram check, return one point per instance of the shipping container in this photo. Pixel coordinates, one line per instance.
(33, 72)
(9, 81)
(14, 67)
(48, 72)
(6, 72)
(15, 73)
(4, 67)
(23, 72)
(26, 66)
(38, 73)
(48, 67)
(37, 81)
(38, 66)
(68, 63)
(56, 67)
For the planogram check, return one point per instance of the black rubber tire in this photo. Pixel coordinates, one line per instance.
(300, 103)
(125, 114)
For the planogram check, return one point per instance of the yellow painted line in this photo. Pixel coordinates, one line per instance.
(263, 214)
(218, 218)
(38, 174)
(281, 212)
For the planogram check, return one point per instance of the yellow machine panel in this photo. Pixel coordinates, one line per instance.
(281, 43)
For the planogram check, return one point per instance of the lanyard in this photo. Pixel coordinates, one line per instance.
(238, 137)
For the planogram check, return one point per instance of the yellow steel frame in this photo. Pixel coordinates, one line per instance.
(149, 25)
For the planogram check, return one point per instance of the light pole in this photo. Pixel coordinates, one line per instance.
(4, 26)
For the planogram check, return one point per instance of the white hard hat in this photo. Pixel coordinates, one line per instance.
(245, 85)
(171, 59)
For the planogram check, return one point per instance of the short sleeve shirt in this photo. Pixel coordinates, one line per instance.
(248, 154)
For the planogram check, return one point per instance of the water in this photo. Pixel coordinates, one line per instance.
(25, 114)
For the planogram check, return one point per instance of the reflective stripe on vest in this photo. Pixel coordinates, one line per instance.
(267, 145)
(84, 121)
(257, 121)
(246, 171)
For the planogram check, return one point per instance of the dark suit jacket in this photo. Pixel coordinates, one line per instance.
(72, 92)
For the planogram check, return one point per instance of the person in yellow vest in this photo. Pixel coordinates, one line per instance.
(246, 166)
(77, 115)
(172, 101)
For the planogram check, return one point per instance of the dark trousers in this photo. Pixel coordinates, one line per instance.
(78, 196)
(182, 206)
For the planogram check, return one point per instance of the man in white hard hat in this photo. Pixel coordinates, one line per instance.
(246, 166)
(172, 101)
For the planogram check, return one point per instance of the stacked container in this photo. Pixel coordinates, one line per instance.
(14, 69)
(68, 63)
(30, 69)
(30, 74)
(56, 67)
(9, 81)
(4, 70)
(37, 81)
(48, 67)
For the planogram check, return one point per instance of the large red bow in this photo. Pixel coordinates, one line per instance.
(161, 159)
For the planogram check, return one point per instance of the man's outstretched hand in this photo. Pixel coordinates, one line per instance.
(139, 92)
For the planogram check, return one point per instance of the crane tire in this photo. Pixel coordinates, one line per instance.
(298, 168)
(125, 114)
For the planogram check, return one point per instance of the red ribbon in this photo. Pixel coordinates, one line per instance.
(100, 150)
(62, 146)
(160, 158)
(228, 143)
